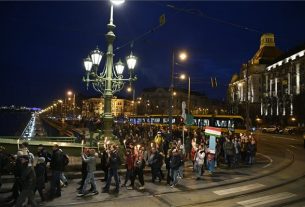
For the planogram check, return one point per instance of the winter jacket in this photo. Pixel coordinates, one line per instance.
(57, 162)
(28, 178)
(91, 163)
(175, 162)
(40, 175)
(199, 157)
(229, 148)
(114, 160)
(130, 161)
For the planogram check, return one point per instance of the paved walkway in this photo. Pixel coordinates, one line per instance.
(222, 176)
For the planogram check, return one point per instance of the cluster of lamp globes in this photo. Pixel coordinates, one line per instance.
(96, 57)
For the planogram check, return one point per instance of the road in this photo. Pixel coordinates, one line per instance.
(278, 179)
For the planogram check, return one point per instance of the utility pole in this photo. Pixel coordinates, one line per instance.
(247, 98)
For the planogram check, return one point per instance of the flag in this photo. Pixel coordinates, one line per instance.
(213, 131)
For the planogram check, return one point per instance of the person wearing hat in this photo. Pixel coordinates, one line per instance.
(159, 141)
(40, 170)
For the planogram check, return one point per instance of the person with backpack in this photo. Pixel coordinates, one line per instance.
(114, 164)
(57, 166)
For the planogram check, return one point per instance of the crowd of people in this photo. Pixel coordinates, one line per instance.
(140, 147)
(31, 176)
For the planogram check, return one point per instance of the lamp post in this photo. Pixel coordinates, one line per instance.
(182, 57)
(71, 97)
(109, 81)
(133, 90)
(183, 77)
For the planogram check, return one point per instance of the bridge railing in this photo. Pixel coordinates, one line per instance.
(46, 139)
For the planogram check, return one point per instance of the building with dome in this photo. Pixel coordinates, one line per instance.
(244, 93)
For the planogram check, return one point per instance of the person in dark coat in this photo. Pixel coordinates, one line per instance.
(154, 162)
(3, 161)
(57, 166)
(28, 183)
(40, 176)
(42, 152)
(167, 163)
(175, 163)
(104, 163)
(114, 164)
(139, 169)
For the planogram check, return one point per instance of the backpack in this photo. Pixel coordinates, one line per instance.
(66, 159)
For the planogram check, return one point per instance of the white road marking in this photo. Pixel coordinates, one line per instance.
(238, 189)
(266, 199)
(269, 158)
(292, 146)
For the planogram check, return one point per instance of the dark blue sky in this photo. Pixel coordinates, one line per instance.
(42, 44)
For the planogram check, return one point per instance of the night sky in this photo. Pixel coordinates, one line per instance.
(42, 44)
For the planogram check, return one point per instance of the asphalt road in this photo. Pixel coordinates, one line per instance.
(277, 179)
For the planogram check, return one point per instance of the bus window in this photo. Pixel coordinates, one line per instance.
(239, 123)
(206, 122)
(155, 120)
(221, 123)
(231, 124)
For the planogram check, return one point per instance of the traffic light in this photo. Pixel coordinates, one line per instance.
(213, 82)
(162, 20)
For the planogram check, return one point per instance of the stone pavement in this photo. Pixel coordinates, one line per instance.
(222, 176)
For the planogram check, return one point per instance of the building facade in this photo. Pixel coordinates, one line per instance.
(245, 89)
(94, 107)
(284, 89)
(156, 101)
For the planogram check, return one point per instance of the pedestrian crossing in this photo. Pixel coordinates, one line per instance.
(266, 199)
(239, 189)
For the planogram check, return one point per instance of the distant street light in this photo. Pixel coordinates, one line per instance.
(111, 79)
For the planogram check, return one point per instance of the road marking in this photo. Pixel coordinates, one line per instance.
(292, 146)
(238, 189)
(269, 158)
(266, 199)
(279, 137)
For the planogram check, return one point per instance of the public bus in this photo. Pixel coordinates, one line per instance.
(233, 123)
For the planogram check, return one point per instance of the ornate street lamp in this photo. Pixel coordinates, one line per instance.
(110, 80)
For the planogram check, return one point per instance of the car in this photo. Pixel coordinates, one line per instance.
(271, 129)
(290, 130)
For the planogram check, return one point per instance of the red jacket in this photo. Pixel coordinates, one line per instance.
(130, 159)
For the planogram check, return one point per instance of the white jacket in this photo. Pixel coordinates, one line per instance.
(199, 159)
